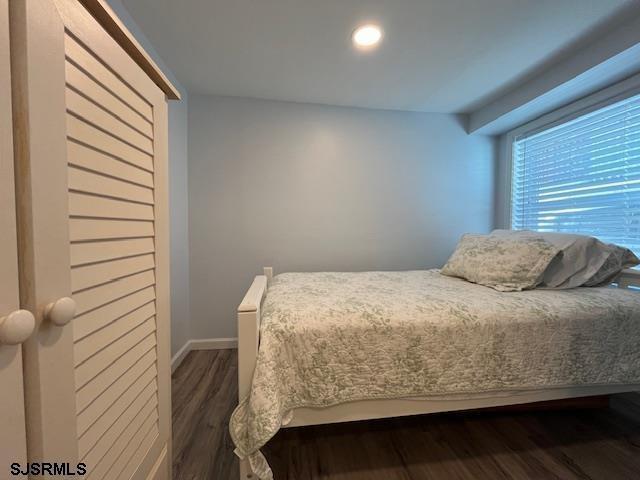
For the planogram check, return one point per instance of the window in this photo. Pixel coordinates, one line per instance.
(582, 176)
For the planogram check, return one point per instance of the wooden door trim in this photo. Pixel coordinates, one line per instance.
(88, 32)
(103, 13)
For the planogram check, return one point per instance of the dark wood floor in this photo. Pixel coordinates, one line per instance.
(583, 444)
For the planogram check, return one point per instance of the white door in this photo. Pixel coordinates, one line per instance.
(13, 446)
(95, 165)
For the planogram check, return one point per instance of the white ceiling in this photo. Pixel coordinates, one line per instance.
(437, 55)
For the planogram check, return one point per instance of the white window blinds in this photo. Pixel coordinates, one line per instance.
(582, 176)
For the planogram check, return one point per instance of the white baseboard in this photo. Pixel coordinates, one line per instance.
(201, 344)
(213, 343)
(177, 359)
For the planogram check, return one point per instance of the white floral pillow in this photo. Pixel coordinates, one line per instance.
(506, 264)
(582, 257)
(585, 261)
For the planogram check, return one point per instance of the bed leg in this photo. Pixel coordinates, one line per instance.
(245, 470)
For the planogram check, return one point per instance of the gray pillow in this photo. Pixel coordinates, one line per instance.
(581, 258)
(619, 259)
(504, 263)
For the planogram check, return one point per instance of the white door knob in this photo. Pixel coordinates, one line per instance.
(16, 327)
(61, 311)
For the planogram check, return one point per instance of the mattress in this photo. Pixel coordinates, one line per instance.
(330, 338)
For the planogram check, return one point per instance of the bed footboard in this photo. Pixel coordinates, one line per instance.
(249, 332)
(248, 342)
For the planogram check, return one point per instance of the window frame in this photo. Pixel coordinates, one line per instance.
(600, 99)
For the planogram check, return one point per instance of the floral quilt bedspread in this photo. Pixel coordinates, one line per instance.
(329, 338)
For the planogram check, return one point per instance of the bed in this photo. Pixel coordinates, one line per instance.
(333, 347)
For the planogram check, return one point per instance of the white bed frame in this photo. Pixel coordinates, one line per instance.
(249, 340)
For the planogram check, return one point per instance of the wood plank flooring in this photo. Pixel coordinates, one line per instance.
(571, 444)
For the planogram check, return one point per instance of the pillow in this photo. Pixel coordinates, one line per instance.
(585, 260)
(581, 258)
(504, 263)
(619, 259)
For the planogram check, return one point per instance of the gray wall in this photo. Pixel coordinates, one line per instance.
(607, 55)
(179, 224)
(307, 187)
(178, 194)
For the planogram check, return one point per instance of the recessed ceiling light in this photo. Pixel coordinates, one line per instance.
(367, 36)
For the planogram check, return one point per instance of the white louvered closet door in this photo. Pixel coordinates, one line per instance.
(13, 440)
(103, 175)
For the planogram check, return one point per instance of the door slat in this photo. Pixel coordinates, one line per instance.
(138, 453)
(91, 275)
(88, 158)
(89, 206)
(86, 134)
(94, 320)
(92, 449)
(83, 229)
(92, 344)
(100, 361)
(94, 421)
(103, 295)
(132, 436)
(92, 183)
(87, 393)
(91, 113)
(94, 252)
(98, 71)
(79, 80)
